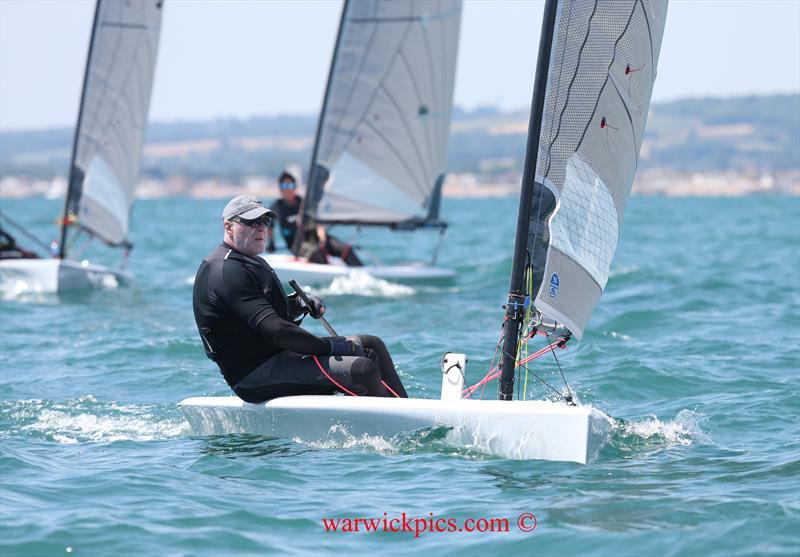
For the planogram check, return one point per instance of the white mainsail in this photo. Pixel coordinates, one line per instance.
(113, 117)
(381, 145)
(602, 67)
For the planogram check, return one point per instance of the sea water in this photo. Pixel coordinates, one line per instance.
(694, 350)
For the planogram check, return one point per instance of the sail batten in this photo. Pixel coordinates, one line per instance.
(383, 131)
(112, 119)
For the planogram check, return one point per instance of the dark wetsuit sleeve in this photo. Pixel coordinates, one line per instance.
(248, 302)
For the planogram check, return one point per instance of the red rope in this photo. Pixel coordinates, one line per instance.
(494, 374)
(351, 393)
(535, 355)
(322, 369)
(483, 381)
(390, 389)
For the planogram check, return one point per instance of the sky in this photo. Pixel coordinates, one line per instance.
(243, 58)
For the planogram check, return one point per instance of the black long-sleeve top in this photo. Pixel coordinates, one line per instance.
(243, 315)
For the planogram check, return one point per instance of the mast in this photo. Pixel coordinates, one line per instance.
(516, 295)
(311, 191)
(75, 180)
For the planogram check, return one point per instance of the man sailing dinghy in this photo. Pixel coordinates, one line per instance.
(594, 78)
(105, 156)
(380, 150)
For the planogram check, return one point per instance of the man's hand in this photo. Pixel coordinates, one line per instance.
(317, 308)
(349, 346)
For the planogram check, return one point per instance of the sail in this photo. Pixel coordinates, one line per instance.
(113, 117)
(381, 145)
(603, 60)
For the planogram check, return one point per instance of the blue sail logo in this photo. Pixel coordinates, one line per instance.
(554, 282)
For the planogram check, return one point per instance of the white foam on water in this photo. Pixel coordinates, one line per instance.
(189, 280)
(340, 438)
(84, 420)
(360, 283)
(684, 429)
(109, 281)
(621, 271)
(623, 337)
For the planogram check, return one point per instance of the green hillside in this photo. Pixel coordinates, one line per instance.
(746, 134)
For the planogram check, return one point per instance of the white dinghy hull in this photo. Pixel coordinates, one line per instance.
(314, 273)
(50, 276)
(523, 430)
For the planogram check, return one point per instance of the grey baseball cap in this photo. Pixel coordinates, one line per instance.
(246, 206)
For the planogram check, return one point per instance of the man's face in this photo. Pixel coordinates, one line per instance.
(288, 190)
(246, 238)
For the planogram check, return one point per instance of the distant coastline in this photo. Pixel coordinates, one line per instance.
(692, 147)
(649, 182)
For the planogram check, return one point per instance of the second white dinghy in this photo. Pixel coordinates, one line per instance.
(315, 273)
(380, 151)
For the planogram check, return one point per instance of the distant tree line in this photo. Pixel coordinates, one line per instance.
(757, 133)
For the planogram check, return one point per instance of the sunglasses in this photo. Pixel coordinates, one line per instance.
(254, 223)
(287, 185)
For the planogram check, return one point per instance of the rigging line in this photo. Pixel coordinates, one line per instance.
(493, 369)
(528, 316)
(539, 378)
(608, 76)
(569, 391)
(491, 364)
(27, 234)
(536, 376)
(494, 372)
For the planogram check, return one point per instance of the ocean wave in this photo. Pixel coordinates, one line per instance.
(83, 420)
(360, 283)
(652, 432)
